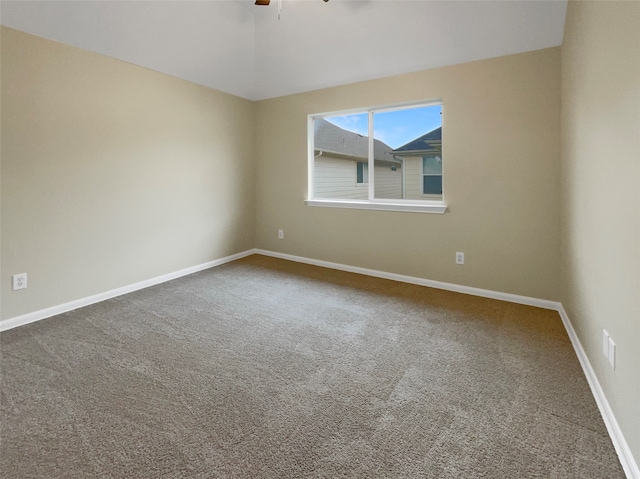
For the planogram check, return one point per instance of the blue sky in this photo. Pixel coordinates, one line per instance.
(395, 128)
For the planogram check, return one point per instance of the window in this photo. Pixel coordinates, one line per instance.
(431, 175)
(379, 158)
(362, 173)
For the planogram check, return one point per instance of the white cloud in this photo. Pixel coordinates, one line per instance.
(355, 123)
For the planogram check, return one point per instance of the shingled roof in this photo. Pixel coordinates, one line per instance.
(429, 142)
(332, 139)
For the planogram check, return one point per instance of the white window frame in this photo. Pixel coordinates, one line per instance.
(437, 206)
(364, 183)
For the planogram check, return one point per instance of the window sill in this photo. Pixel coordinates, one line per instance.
(435, 208)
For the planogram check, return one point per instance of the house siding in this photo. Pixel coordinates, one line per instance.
(413, 178)
(336, 178)
(388, 184)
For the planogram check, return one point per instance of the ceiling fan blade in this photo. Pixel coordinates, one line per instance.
(262, 2)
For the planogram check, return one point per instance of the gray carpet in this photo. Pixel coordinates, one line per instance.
(264, 368)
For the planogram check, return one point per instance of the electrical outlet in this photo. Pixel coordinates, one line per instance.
(459, 258)
(605, 343)
(19, 281)
(280, 234)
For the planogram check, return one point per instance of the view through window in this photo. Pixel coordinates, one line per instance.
(378, 155)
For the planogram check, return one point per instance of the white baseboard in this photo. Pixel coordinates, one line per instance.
(485, 293)
(622, 449)
(627, 460)
(624, 453)
(96, 298)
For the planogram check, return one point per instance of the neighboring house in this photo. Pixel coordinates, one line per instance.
(423, 166)
(341, 165)
(412, 171)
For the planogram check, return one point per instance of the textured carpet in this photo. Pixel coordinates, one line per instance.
(264, 368)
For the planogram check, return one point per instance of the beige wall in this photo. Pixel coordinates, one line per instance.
(113, 174)
(601, 194)
(501, 120)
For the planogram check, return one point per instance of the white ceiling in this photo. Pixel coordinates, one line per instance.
(243, 49)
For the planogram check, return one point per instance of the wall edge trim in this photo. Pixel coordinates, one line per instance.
(96, 298)
(627, 460)
(625, 456)
(629, 465)
(485, 293)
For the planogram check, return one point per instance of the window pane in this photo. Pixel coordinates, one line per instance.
(341, 152)
(407, 146)
(362, 173)
(402, 138)
(432, 165)
(432, 185)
